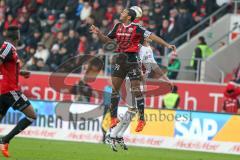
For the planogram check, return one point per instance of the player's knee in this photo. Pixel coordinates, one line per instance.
(31, 118)
(115, 94)
(132, 109)
(136, 91)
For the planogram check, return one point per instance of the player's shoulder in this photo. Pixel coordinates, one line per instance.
(117, 24)
(6, 44)
(138, 25)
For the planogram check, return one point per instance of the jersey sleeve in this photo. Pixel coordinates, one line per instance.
(6, 52)
(112, 33)
(143, 31)
(147, 58)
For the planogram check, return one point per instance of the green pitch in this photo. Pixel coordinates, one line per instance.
(32, 149)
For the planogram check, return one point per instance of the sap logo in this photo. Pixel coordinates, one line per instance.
(203, 129)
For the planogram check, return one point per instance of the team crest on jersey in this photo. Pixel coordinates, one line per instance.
(130, 29)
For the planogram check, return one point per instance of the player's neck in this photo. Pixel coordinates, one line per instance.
(126, 23)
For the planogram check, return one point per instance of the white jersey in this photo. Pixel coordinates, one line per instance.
(147, 58)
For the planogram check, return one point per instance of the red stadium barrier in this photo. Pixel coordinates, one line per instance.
(194, 96)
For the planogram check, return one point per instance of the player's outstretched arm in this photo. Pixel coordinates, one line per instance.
(160, 41)
(102, 37)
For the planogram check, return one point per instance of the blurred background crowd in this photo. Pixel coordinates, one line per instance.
(52, 31)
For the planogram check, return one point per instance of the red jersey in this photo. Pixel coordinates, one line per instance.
(128, 37)
(231, 105)
(9, 69)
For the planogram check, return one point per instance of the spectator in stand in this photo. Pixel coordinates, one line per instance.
(109, 14)
(231, 102)
(174, 65)
(41, 65)
(210, 6)
(152, 27)
(23, 12)
(55, 5)
(187, 4)
(201, 52)
(86, 11)
(97, 12)
(38, 65)
(184, 20)
(82, 46)
(161, 10)
(14, 5)
(24, 26)
(173, 28)
(42, 52)
(95, 45)
(72, 42)
(199, 15)
(105, 27)
(34, 24)
(70, 9)
(11, 21)
(62, 25)
(164, 32)
(83, 27)
(3, 7)
(145, 15)
(118, 10)
(79, 9)
(49, 23)
(60, 39)
(47, 39)
(28, 56)
(54, 59)
(34, 39)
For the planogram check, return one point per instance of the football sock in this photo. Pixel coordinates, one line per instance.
(128, 116)
(22, 124)
(140, 105)
(114, 131)
(114, 104)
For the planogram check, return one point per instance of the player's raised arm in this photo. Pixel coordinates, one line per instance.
(160, 41)
(102, 37)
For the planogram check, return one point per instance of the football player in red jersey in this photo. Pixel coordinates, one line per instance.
(128, 36)
(10, 94)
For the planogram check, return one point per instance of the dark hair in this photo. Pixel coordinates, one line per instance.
(12, 32)
(132, 14)
(202, 40)
(175, 89)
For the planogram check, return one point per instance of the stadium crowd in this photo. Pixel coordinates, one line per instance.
(52, 31)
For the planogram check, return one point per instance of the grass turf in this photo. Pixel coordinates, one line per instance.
(35, 149)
